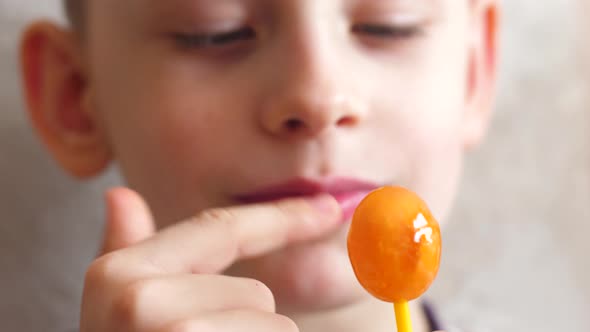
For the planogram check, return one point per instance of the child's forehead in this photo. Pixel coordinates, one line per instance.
(179, 5)
(187, 13)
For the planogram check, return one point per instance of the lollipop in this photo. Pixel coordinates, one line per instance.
(394, 246)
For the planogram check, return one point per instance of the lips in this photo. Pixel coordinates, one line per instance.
(347, 191)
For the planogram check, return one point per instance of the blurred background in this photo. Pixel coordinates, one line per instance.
(515, 252)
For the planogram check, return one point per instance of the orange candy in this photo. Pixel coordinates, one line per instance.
(394, 245)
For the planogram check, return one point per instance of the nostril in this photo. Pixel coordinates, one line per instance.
(293, 124)
(346, 121)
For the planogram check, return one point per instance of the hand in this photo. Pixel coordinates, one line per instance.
(168, 281)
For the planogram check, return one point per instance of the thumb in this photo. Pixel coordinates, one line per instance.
(129, 220)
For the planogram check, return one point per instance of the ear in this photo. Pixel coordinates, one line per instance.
(59, 100)
(483, 60)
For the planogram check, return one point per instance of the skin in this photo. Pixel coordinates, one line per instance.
(191, 128)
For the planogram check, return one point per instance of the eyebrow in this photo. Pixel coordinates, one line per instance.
(193, 4)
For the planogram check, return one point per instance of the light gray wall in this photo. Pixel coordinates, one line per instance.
(514, 253)
(49, 223)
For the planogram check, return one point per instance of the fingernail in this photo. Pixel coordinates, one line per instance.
(324, 204)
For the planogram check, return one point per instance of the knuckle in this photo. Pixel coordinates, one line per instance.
(216, 215)
(126, 308)
(222, 222)
(101, 271)
(293, 209)
(284, 214)
(286, 208)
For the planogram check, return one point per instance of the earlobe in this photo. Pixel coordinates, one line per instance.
(482, 67)
(59, 100)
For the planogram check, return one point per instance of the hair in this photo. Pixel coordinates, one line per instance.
(74, 10)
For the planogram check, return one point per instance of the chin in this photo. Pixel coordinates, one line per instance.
(308, 277)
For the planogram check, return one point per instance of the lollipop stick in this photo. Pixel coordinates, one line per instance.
(402, 316)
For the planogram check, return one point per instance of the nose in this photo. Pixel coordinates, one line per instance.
(308, 96)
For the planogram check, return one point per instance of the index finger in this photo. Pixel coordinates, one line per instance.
(213, 240)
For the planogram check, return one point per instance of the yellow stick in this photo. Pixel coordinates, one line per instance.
(402, 317)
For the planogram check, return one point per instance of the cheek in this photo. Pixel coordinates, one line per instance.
(162, 132)
(173, 129)
(439, 162)
(437, 169)
(424, 127)
(434, 141)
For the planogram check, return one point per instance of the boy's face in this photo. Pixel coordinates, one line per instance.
(208, 103)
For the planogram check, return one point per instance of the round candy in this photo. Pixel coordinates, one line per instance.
(394, 245)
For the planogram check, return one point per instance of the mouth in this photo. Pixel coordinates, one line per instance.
(349, 192)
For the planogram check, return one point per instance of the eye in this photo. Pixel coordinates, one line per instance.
(388, 31)
(210, 40)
